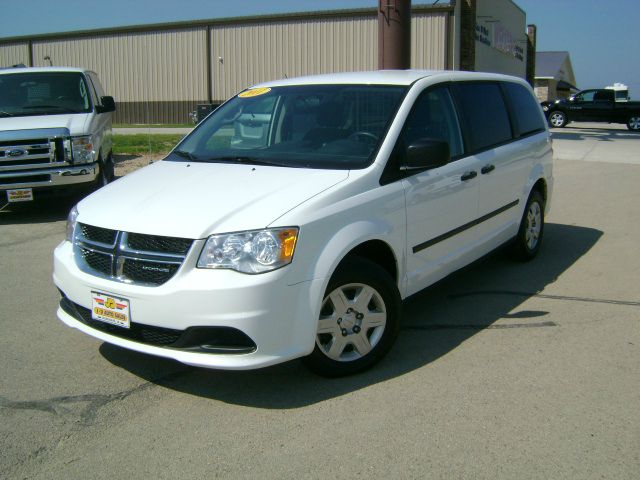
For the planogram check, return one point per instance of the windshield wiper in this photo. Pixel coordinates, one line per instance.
(64, 109)
(187, 155)
(245, 159)
(6, 114)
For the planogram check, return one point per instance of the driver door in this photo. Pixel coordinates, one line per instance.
(442, 201)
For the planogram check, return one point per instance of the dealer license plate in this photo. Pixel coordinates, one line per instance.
(20, 195)
(110, 309)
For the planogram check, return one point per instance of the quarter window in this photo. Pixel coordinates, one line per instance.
(484, 114)
(525, 108)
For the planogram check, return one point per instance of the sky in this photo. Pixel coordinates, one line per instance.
(600, 35)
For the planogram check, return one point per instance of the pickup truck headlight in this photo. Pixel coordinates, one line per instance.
(82, 150)
(255, 251)
(72, 220)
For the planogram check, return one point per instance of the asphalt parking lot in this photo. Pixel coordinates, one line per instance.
(504, 370)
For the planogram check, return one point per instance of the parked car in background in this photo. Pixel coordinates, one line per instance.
(55, 132)
(295, 218)
(597, 105)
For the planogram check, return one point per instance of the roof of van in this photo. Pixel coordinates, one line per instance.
(42, 70)
(385, 77)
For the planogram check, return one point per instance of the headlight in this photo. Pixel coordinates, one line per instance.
(82, 149)
(72, 219)
(256, 251)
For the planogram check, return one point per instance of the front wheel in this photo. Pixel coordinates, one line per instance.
(527, 243)
(359, 320)
(558, 119)
(634, 123)
(107, 171)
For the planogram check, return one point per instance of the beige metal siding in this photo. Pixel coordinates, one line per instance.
(247, 54)
(14, 54)
(165, 65)
(429, 41)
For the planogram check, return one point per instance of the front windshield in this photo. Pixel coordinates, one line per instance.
(43, 93)
(311, 126)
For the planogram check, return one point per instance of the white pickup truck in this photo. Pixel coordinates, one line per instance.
(55, 132)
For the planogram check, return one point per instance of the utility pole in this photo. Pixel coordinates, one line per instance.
(394, 34)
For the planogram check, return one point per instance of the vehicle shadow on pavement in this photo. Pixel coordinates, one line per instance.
(40, 211)
(588, 133)
(485, 295)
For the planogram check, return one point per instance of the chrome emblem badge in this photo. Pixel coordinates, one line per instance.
(16, 152)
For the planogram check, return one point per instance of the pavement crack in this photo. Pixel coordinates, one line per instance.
(550, 297)
(88, 404)
(479, 327)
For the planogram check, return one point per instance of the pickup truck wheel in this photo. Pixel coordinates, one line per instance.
(558, 119)
(634, 123)
(107, 171)
(359, 320)
(527, 243)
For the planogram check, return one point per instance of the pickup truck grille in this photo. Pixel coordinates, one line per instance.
(129, 257)
(38, 152)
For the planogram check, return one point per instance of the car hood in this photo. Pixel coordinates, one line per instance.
(195, 200)
(74, 122)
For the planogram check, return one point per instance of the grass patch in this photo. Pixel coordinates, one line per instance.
(139, 144)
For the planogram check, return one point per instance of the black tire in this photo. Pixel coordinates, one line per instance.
(557, 118)
(107, 172)
(529, 238)
(362, 327)
(633, 123)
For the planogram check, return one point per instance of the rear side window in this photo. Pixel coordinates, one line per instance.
(484, 114)
(525, 109)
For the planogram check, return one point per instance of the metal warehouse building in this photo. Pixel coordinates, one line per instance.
(159, 73)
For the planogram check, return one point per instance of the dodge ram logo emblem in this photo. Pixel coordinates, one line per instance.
(16, 152)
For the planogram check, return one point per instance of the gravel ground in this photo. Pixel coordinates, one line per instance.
(128, 163)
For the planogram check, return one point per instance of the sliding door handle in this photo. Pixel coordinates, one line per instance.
(469, 176)
(487, 169)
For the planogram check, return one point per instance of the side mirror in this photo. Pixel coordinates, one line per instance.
(108, 105)
(426, 153)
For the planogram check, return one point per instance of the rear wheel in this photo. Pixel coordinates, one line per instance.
(527, 243)
(558, 119)
(634, 123)
(359, 320)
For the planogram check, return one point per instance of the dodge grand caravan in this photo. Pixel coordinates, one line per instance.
(294, 220)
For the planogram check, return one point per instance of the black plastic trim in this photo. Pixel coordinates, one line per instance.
(462, 228)
(216, 340)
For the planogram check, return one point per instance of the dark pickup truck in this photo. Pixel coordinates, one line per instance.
(593, 106)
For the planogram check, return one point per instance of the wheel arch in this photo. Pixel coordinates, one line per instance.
(370, 240)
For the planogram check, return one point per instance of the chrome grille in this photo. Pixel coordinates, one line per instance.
(19, 154)
(146, 260)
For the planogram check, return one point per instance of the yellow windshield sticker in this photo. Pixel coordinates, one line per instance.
(254, 92)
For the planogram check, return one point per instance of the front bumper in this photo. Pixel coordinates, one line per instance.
(280, 319)
(44, 178)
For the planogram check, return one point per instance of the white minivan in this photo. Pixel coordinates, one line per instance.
(55, 133)
(295, 219)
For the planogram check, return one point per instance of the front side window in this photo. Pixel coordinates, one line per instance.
(311, 126)
(48, 93)
(587, 96)
(433, 118)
